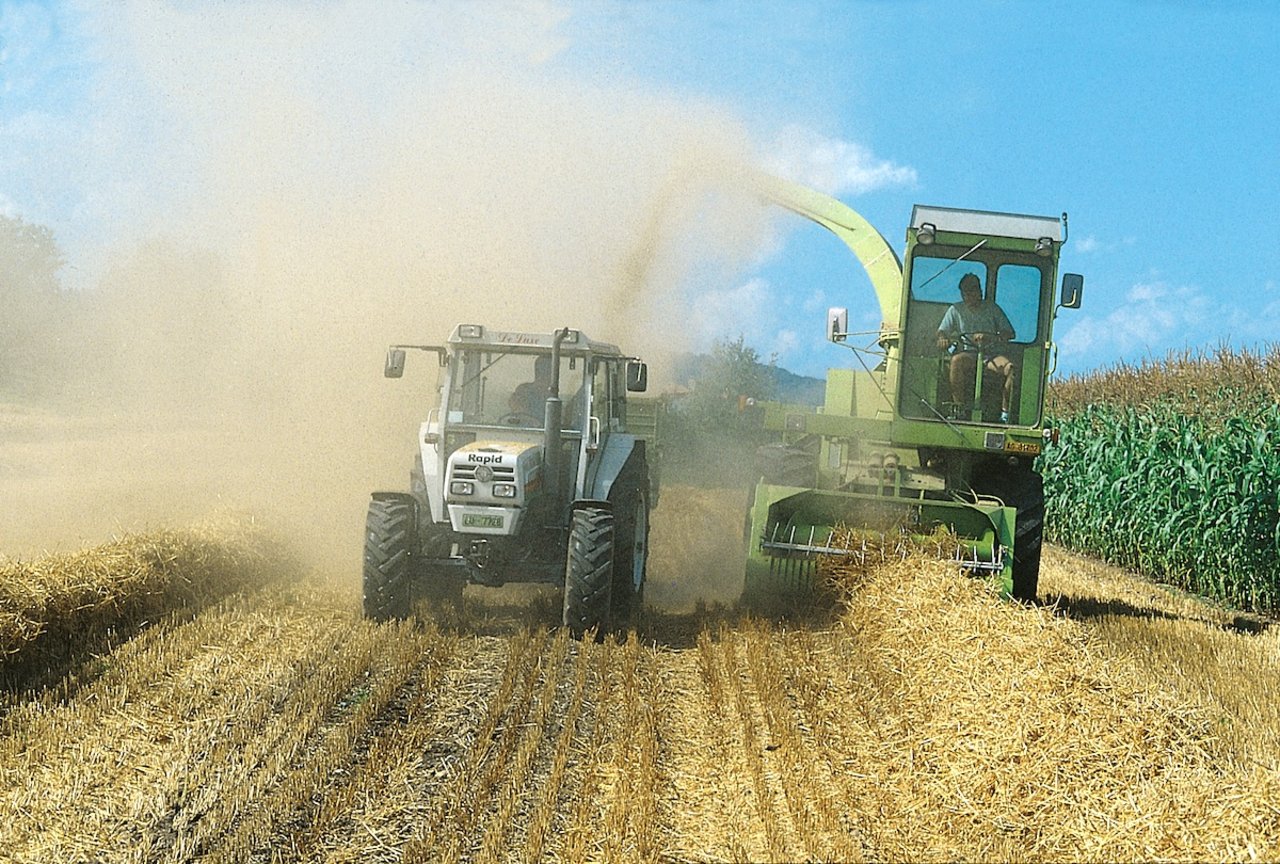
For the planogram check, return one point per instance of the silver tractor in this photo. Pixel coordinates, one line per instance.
(525, 472)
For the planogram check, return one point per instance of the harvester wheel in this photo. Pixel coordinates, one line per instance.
(390, 538)
(588, 577)
(631, 521)
(781, 465)
(1027, 495)
(1023, 489)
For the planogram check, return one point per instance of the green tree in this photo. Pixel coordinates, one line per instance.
(713, 431)
(732, 378)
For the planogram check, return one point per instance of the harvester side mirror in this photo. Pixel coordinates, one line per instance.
(1072, 290)
(637, 376)
(395, 363)
(837, 324)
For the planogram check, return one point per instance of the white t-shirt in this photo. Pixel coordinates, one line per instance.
(985, 318)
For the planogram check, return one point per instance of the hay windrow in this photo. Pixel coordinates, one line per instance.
(54, 606)
(1002, 732)
(923, 718)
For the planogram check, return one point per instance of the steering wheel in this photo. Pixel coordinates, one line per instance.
(969, 342)
(519, 418)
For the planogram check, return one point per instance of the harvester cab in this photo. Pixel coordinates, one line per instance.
(938, 430)
(526, 471)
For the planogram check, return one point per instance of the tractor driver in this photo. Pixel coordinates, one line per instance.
(971, 326)
(530, 398)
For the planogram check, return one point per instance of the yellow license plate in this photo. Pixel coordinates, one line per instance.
(1029, 447)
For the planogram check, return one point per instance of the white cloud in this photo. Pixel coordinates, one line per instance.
(784, 343)
(1154, 318)
(816, 301)
(832, 165)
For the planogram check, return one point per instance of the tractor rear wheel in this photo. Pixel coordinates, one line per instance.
(588, 577)
(390, 540)
(631, 534)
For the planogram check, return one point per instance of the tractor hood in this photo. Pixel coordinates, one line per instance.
(489, 483)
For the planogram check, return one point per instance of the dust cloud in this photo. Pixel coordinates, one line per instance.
(293, 188)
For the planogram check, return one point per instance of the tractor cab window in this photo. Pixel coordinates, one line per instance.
(603, 382)
(493, 388)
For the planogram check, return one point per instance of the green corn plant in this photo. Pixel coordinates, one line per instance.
(1182, 495)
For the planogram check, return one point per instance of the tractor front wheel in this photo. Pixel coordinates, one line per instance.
(588, 577)
(390, 538)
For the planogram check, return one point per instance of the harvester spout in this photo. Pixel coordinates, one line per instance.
(871, 249)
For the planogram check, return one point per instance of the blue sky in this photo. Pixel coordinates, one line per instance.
(1156, 125)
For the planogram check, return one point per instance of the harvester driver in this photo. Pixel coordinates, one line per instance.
(529, 400)
(970, 327)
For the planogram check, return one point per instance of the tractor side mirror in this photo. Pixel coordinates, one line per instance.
(637, 376)
(837, 324)
(395, 363)
(1072, 290)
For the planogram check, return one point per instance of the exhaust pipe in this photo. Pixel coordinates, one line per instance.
(552, 454)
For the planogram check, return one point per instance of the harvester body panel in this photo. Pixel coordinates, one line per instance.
(936, 437)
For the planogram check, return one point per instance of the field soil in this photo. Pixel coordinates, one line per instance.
(919, 717)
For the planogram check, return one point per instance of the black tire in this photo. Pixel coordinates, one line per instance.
(631, 537)
(390, 544)
(1023, 489)
(781, 465)
(1028, 496)
(588, 576)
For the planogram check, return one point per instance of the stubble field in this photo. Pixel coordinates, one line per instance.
(920, 718)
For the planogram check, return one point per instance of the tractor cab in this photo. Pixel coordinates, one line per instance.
(981, 354)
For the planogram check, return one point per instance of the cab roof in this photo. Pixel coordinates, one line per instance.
(987, 223)
(467, 335)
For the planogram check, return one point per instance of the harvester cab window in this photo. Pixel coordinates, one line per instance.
(1017, 290)
(935, 286)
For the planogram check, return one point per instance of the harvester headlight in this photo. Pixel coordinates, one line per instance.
(1044, 247)
(504, 490)
(462, 487)
(925, 234)
(470, 331)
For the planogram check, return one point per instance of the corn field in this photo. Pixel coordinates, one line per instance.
(1173, 470)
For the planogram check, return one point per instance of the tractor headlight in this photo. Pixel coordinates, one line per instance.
(462, 487)
(504, 490)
